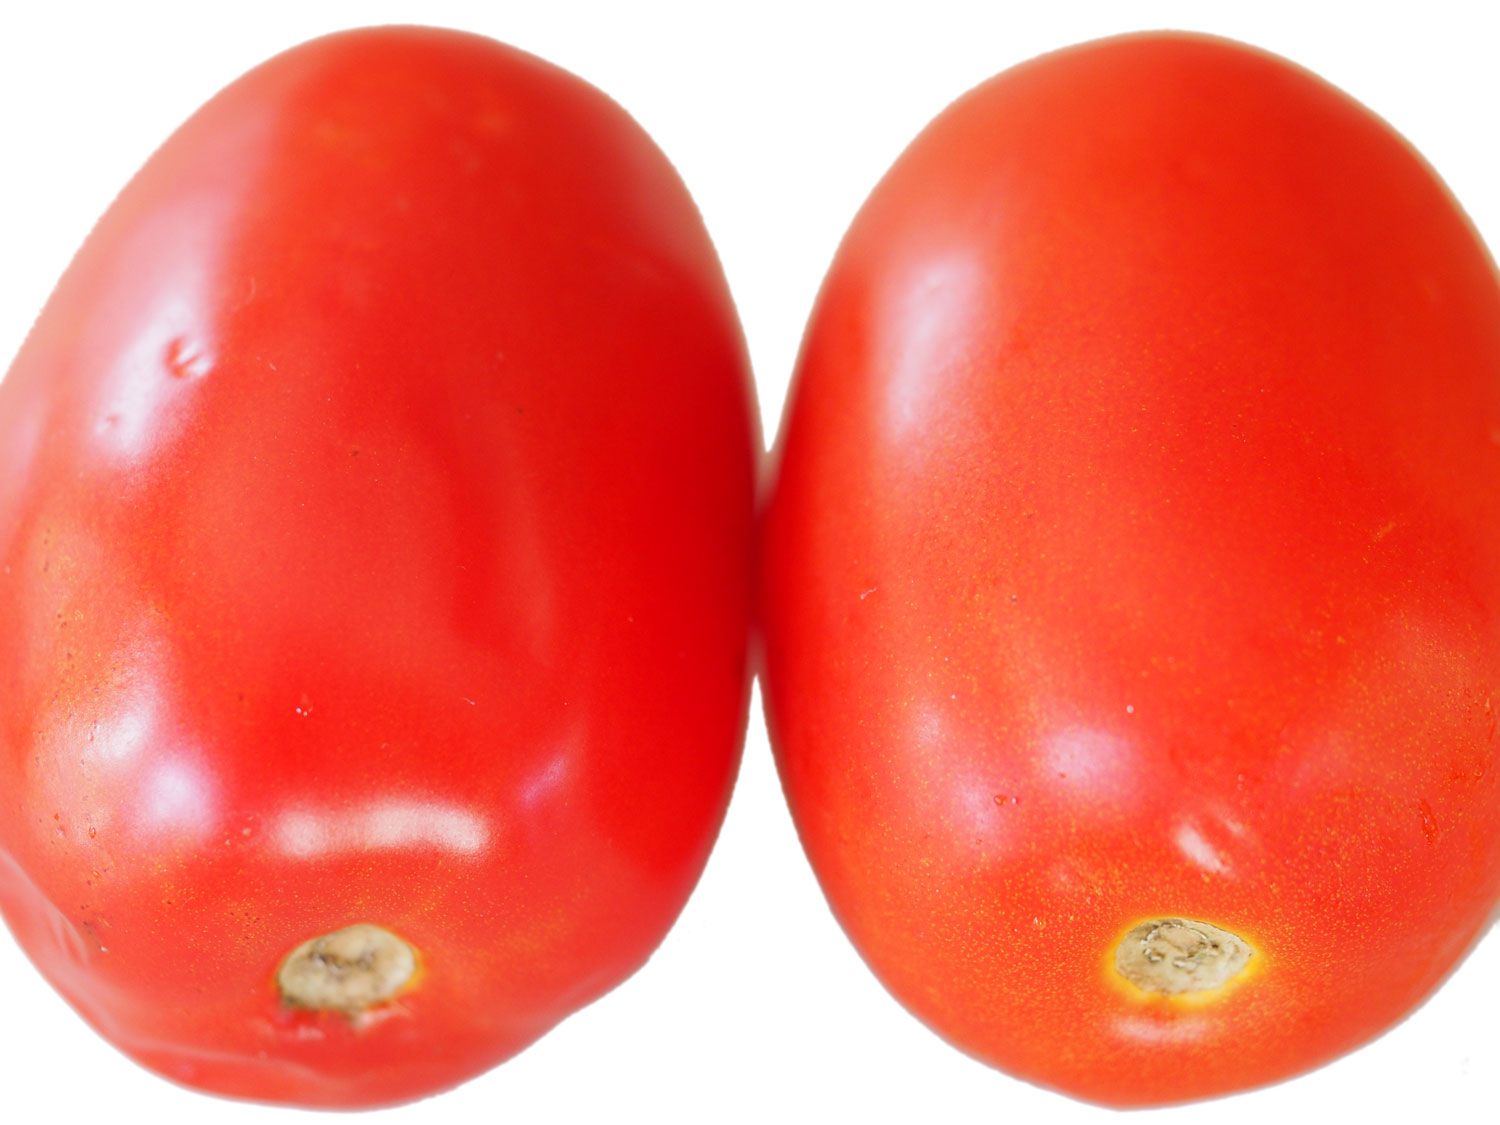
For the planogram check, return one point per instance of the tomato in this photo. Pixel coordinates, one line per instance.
(1132, 574)
(376, 499)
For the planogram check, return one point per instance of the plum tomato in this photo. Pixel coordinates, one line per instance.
(1131, 574)
(376, 510)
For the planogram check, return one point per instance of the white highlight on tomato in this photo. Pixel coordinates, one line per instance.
(380, 826)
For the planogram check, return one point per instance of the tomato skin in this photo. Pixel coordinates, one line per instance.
(1133, 551)
(376, 500)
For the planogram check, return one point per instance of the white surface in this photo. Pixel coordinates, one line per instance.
(780, 117)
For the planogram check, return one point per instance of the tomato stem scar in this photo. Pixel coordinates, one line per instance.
(348, 971)
(1176, 955)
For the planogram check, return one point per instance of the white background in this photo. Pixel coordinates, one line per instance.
(780, 118)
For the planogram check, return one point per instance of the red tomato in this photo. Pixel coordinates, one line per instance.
(1132, 574)
(375, 511)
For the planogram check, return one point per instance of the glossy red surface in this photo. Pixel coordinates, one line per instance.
(375, 535)
(1134, 552)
